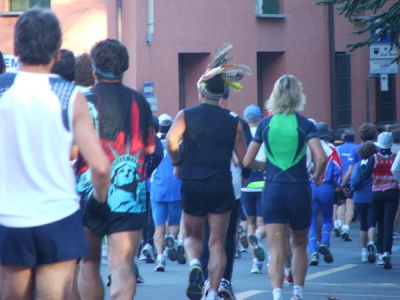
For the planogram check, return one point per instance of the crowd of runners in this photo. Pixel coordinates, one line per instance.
(89, 174)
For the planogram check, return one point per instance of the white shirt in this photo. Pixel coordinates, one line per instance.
(37, 184)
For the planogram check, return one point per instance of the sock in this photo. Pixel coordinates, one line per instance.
(195, 261)
(298, 291)
(364, 250)
(277, 293)
(211, 295)
(287, 271)
(346, 227)
(338, 223)
(159, 256)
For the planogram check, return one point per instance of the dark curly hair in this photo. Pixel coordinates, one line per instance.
(367, 149)
(37, 36)
(65, 67)
(84, 71)
(367, 132)
(110, 59)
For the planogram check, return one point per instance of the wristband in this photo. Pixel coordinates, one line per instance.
(176, 164)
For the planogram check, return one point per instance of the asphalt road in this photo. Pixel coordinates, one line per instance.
(346, 278)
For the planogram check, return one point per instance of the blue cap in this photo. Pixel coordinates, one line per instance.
(252, 112)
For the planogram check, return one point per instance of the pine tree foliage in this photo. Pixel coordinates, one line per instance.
(381, 21)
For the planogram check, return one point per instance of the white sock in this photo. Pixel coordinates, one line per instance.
(277, 293)
(211, 295)
(287, 271)
(346, 227)
(195, 261)
(159, 256)
(298, 291)
(364, 250)
(338, 223)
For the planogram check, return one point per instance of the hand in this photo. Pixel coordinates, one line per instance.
(317, 180)
(346, 191)
(95, 214)
(176, 171)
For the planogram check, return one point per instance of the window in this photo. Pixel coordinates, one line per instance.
(22, 5)
(386, 102)
(270, 7)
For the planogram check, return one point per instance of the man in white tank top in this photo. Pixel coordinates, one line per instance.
(41, 116)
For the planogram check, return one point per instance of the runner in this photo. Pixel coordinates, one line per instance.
(41, 114)
(323, 199)
(209, 135)
(287, 195)
(123, 120)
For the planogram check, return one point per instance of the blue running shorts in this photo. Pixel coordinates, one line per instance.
(30, 247)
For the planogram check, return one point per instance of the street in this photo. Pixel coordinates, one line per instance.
(346, 278)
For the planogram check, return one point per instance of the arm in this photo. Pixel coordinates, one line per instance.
(240, 145)
(367, 167)
(153, 160)
(174, 135)
(249, 159)
(90, 148)
(356, 178)
(396, 168)
(319, 159)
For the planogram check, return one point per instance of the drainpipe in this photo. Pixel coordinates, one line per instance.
(119, 20)
(150, 22)
(332, 65)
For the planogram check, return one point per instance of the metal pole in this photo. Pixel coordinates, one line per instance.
(369, 77)
(119, 20)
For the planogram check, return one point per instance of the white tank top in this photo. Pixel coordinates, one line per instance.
(37, 184)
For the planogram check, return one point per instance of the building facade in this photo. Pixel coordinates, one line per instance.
(170, 43)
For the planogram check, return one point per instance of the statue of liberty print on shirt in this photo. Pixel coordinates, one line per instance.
(120, 139)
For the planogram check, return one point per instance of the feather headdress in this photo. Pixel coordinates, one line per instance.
(220, 65)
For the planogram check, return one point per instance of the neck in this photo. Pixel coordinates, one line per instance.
(41, 69)
(107, 80)
(209, 101)
(385, 151)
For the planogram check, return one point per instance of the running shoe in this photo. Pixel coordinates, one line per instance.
(206, 287)
(396, 235)
(170, 246)
(160, 265)
(371, 252)
(386, 261)
(241, 248)
(314, 259)
(345, 236)
(380, 261)
(108, 278)
(196, 281)
(289, 278)
(326, 252)
(257, 267)
(225, 290)
(259, 252)
(139, 279)
(238, 253)
(296, 298)
(148, 252)
(243, 237)
(181, 254)
(336, 231)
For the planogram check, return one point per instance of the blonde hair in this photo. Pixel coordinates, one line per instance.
(287, 96)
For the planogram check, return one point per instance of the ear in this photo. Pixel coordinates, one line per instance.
(15, 51)
(57, 56)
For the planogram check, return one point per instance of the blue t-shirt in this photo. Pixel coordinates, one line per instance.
(285, 138)
(345, 153)
(362, 188)
(164, 186)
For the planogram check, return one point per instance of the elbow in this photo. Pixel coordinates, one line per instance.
(101, 169)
